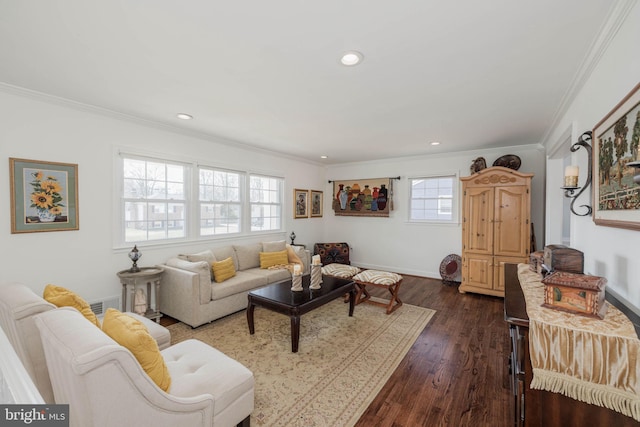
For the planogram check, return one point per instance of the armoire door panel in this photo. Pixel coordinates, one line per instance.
(498, 269)
(479, 271)
(478, 220)
(511, 221)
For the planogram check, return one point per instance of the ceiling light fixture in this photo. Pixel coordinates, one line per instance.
(435, 143)
(324, 157)
(184, 116)
(351, 58)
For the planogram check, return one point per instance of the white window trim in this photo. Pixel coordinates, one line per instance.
(191, 195)
(456, 201)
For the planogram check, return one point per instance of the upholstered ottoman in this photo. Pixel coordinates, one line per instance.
(380, 279)
(340, 270)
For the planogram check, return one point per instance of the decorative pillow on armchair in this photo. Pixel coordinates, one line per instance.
(63, 297)
(332, 253)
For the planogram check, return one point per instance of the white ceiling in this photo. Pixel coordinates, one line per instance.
(470, 74)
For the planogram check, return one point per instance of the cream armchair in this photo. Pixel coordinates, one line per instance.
(18, 307)
(105, 385)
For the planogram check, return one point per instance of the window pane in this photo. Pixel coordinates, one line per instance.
(134, 188)
(156, 171)
(134, 168)
(135, 231)
(145, 185)
(266, 203)
(175, 190)
(435, 202)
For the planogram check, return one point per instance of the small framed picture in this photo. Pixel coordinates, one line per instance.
(44, 196)
(316, 203)
(300, 203)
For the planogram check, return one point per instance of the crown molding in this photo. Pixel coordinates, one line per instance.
(618, 13)
(88, 108)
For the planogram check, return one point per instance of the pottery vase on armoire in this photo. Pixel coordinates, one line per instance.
(496, 227)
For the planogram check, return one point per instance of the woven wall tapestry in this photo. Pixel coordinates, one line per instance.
(363, 197)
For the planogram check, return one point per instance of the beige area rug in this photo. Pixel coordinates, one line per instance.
(341, 364)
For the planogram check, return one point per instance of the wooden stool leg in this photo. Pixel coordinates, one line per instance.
(362, 295)
(395, 301)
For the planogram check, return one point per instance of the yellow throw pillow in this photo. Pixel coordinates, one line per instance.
(134, 336)
(223, 270)
(293, 257)
(269, 259)
(62, 297)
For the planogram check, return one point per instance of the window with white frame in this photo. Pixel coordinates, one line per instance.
(160, 198)
(265, 199)
(154, 200)
(433, 199)
(220, 201)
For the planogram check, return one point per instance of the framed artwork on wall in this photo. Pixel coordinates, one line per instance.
(616, 165)
(300, 203)
(44, 196)
(363, 197)
(316, 203)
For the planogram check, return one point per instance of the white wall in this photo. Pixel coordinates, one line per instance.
(41, 128)
(393, 243)
(86, 261)
(609, 252)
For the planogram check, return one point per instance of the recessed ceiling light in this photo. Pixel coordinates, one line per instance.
(324, 157)
(351, 58)
(184, 116)
(435, 143)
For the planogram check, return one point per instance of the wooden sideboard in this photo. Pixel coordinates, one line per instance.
(531, 407)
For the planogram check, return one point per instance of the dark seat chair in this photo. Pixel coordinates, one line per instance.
(332, 253)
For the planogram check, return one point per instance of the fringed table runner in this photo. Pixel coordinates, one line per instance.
(588, 359)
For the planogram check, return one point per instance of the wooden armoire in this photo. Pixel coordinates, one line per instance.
(496, 227)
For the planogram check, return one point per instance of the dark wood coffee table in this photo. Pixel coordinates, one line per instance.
(280, 298)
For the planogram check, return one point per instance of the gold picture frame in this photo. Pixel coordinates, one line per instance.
(316, 203)
(44, 196)
(300, 203)
(616, 165)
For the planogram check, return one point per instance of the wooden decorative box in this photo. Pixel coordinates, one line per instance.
(536, 259)
(575, 293)
(562, 258)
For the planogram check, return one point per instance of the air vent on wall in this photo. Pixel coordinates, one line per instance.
(100, 307)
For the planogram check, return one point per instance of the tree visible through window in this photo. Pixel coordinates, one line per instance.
(265, 200)
(160, 198)
(220, 202)
(154, 200)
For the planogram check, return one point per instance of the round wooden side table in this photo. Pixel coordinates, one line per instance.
(148, 276)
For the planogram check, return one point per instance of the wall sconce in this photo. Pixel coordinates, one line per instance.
(571, 174)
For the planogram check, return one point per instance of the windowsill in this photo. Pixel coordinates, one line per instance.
(126, 247)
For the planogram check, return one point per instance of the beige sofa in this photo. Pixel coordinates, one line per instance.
(189, 294)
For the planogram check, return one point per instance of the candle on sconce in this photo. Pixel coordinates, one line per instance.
(571, 176)
(315, 260)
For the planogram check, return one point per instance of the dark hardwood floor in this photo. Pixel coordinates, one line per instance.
(456, 373)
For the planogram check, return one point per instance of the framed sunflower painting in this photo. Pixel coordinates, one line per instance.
(44, 196)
